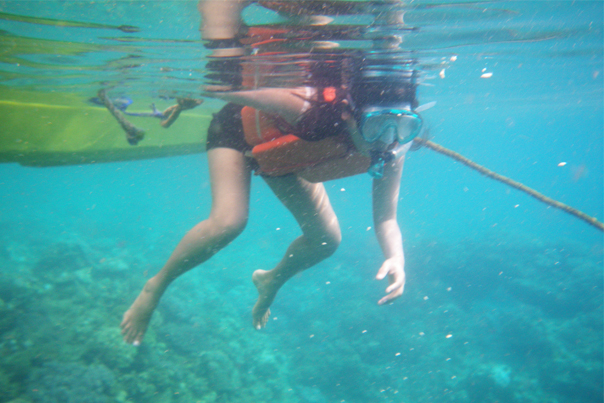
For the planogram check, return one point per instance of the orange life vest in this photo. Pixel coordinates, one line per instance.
(279, 154)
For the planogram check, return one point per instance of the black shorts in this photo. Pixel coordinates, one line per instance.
(226, 130)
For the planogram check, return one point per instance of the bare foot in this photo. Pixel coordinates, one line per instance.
(137, 317)
(266, 294)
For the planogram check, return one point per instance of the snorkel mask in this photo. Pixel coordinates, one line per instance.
(393, 126)
(390, 124)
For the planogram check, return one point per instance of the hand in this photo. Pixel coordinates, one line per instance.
(188, 103)
(172, 113)
(359, 142)
(394, 268)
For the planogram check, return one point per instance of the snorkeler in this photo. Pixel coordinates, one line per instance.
(372, 119)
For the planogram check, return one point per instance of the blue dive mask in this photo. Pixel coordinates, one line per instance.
(390, 125)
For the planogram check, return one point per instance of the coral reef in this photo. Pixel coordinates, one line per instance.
(487, 320)
(58, 382)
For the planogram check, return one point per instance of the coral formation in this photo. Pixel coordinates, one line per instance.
(499, 327)
(58, 382)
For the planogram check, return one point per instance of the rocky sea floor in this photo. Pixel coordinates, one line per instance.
(482, 320)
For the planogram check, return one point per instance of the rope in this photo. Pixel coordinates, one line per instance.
(133, 133)
(516, 185)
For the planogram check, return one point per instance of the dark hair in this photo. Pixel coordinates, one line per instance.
(383, 94)
(380, 79)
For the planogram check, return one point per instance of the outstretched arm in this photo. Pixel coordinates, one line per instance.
(388, 233)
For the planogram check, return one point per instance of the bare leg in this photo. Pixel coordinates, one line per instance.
(309, 204)
(230, 180)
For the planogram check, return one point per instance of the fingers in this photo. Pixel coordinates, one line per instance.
(393, 295)
(384, 300)
(397, 282)
(383, 271)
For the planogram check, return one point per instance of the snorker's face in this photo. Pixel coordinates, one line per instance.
(384, 125)
(386, 139)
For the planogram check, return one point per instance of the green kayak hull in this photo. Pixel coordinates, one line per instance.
(47, 129)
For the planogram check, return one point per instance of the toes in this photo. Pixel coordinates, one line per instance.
(257, 324)
(260, 323)
(125, 328)
(130, 334)
(134, 338)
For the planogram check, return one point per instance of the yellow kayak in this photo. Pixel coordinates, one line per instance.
(49, 129)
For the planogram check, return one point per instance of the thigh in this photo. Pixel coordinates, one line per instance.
(230, 178)
(309, 204)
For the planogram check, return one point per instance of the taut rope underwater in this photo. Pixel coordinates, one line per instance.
(516, 185)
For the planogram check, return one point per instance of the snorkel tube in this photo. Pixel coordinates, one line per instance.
(380, 158)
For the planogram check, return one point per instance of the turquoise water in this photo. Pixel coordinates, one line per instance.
(503, 300)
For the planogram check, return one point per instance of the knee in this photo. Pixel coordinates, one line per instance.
(228, 226)
(234, 226)
(329, 241)
(334, 240)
